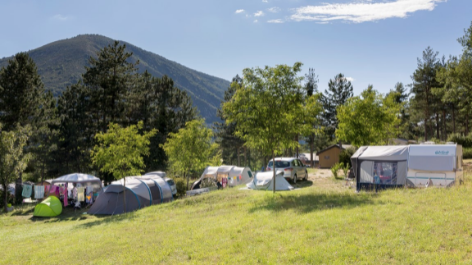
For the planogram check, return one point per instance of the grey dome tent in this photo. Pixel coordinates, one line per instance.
(139, 192)
(265, 181)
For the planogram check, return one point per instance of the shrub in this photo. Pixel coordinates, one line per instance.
(181, 186)
(465, 141)
(335, 170)
(10, 199)
(467, 153)
(345, 156)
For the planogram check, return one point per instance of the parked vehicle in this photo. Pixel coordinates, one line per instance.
(292, 167)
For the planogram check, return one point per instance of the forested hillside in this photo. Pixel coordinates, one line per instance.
(61, 64)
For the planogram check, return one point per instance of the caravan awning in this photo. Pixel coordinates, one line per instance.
(385, 153)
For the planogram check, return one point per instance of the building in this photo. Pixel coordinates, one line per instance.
(330, 156)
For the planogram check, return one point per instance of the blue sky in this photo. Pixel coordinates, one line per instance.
(370, 41)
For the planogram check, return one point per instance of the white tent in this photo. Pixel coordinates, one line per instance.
(77, 178)
(234, 175)
(264, 181)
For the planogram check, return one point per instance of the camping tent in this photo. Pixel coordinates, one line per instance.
(234, 175)
(139, 192)
(78, 178)
(412, 165)
(264, 181)
(50, 207)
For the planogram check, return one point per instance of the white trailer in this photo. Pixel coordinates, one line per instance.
(435, 165)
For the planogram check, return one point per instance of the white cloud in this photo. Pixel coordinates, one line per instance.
(265, 1)
(277, 21)
(239, 11)
(255, 21)
(274, 9)
(350, 79)
(363, 11)
(259, 14)
(60, 17)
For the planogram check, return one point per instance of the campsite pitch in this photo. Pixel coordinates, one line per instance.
(323, 221)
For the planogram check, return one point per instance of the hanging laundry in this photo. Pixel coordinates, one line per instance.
(27, 189)
(46, 190)
(39, 192)
(80, 194)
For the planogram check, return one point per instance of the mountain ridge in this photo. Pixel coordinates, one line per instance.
(61, 63)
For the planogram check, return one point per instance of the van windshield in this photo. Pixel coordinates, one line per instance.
(279, 164)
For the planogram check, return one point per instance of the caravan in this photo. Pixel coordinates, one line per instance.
(407, 165)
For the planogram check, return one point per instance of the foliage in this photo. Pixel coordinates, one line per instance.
(180, 186)
(339, 91)
(13, 159)
(465, 141)
(335, 168)
(345, 156)
(269, 111)
(191, 149)
(467, 153)
(120, 151)
(369, 119)
(345, 168)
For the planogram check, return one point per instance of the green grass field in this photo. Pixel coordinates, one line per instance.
(323, 222)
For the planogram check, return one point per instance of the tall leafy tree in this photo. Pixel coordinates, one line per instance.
(21, 92)
(13, 159)
(191, 148)
(225, 132)
(424, 80)
(369, 119)
(339, 91)
(120, 151)
(268, 109)
(109, 77)
(311, 88)
(162, 106)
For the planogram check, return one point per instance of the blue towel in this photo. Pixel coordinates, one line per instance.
(39, 192)
(27, 189)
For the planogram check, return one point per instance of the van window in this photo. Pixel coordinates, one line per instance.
(279, 164)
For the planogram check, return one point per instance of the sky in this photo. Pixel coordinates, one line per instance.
(370, 41)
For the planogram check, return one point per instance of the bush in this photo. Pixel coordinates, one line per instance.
(345, 156)
(467, 153)
(335, 170)
(465, 141)
(181, 186)
(10, 199)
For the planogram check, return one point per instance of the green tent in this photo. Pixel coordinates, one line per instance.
(48, 208)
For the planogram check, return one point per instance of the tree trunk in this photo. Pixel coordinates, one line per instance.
(296, 139)
(239, 158)
(5, 197)
(245, 156)
(453, 120)
(312, 140)
(444, 126)
(437, 126)
(467, 123)
(425, 129)
(186, 176)
(273, 169)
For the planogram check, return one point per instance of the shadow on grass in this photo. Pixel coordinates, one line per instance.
(305, 203)
(302, 184)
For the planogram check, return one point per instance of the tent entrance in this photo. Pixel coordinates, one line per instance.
(382, 174)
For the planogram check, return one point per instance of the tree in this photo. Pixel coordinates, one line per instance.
(120, 151)
(269, 110)
(109, 77)
(225, 132)
(13, 160)
(311, 87)
(191, 148)
(400, 96)
(21, 92)
(162, 106)
(369, 119)
(339, 91)
(424, 80)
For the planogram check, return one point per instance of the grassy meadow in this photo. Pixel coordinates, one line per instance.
(322, 222)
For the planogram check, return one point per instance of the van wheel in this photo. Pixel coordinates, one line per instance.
(295, 179)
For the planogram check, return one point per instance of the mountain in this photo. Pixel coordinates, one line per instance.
(61, 63)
